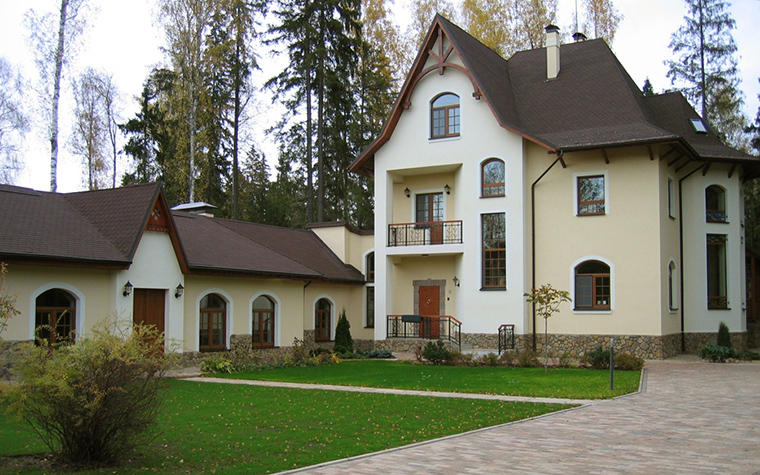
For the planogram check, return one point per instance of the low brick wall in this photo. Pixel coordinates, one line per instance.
(696, 341)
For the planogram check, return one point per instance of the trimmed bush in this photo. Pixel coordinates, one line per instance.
(724, 336)
(92, 403)
(716, 353)
(628, 362)
(343, 341)
(491, 359)
(598, 358)
(436, 352)
(218, 363)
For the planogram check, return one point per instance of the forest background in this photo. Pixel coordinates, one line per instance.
(287, 92)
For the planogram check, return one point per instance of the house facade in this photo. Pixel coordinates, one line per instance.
(494, 176)
(209, 284)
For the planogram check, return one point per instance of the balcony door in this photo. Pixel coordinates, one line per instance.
(429, 211)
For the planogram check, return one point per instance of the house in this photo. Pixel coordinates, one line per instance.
(210, 284)
(494, 176)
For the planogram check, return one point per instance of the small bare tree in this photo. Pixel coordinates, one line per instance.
(13, 121)
(546, 301)
(90, 132)
(7, 301)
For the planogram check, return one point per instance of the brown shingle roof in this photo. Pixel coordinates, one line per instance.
(213, 244)
(593, 102)
(97, 227)
(103, 228)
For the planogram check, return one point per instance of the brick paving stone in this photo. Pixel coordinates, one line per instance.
(690, 418)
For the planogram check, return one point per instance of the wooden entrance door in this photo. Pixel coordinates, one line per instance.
(430, 305)
(149, 307)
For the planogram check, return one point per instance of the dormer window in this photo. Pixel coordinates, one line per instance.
(444, 116)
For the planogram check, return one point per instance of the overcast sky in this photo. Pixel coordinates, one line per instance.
(123, 40)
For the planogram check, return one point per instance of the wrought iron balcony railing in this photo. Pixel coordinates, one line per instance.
(420, 234)
(427, 327)
(712, 216)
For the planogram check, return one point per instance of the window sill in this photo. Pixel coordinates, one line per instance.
(589, 311)
(718, 308)
(492, 289)
(369, 326)
(590, 214)
(443, 139)
(492, 196)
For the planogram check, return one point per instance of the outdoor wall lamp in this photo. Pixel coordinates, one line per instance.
(180, 291)
(456, 281)
(407, 192)
(447, 189)
(128, 288)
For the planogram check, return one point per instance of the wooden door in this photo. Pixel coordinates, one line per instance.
(149, 307)
(430, 306)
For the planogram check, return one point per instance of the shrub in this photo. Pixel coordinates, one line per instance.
(382, 354)
(436, 352)
(217, 363)
(319, 351)
(724, 336)
(748, 356)
(244, 359)
(92, 403)
(598, 358)
(508, 358)
(298, 353)
(7, 302)
(527, 359)
(343, 341)
(491, 359)
(566, 360)
(628, 362)
(715, 353)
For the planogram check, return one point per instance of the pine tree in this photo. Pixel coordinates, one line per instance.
(706, 70)
(647, 89)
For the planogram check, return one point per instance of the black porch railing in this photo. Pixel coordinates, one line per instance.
(425, 327)
(506, 337)
(420, 234)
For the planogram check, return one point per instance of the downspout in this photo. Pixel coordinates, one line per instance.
(680, 253)
(560, 154)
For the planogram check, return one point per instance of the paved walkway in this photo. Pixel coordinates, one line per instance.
(690, 418)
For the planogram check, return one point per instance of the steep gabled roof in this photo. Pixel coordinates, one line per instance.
(592, 103)
(94, 227)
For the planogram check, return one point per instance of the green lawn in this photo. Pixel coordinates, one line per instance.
(232, 429)
(562, 383)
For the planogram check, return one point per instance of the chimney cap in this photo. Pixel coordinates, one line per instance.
(552, 29)
(578, 36)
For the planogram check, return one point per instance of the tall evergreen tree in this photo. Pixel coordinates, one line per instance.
(706, 68)
(647, 89)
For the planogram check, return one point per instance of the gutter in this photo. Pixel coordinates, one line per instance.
(560, 154)
(680, 253)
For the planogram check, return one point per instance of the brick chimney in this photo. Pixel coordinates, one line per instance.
(552, 52)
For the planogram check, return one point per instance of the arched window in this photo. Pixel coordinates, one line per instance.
(369, 264)
(492, 178)
(55, 316)
(263, 322)
(322, 312)
(444, 116)
(592, 286)
(213, 323)
(715, 204)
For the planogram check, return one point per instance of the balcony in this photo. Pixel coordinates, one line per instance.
(423, 234)
(427, 327)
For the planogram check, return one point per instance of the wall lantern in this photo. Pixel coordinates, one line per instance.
(456, 281)
(447, 189)
(407, 192)
(180, 291)
(128, 288)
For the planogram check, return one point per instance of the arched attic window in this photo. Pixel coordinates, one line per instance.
(444, 116)
(715, 204)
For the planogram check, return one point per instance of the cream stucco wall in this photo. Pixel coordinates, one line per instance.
(626, 237)
(412, 160)
(91, 289)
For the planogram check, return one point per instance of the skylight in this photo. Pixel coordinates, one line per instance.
(699, 126)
